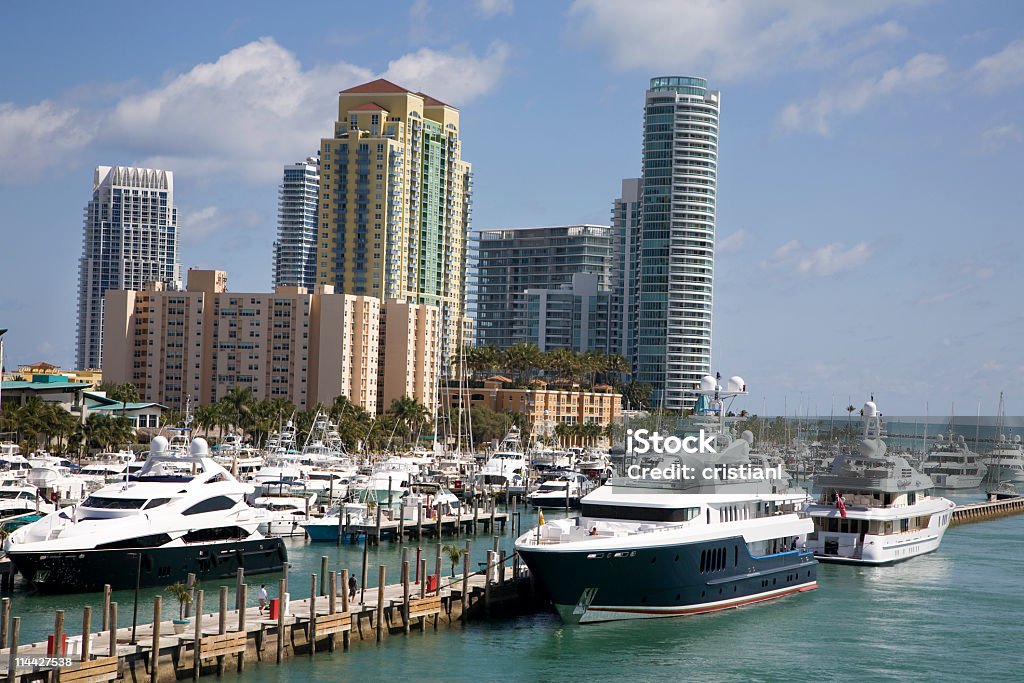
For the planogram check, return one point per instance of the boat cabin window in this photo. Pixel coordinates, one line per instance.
(639, 513)
(114, 503)
(211, 505)
(156, 502)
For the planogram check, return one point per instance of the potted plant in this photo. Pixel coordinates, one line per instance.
(184, 597)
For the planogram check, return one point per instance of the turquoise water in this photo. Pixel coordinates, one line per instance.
(952, 614)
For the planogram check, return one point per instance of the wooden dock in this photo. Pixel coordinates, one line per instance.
(990, 509)
(232, 637)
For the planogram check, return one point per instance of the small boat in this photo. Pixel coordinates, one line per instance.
(285, 511)
(326, 529)
(560, 490)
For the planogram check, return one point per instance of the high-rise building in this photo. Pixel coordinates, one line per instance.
(626, 270)
(307, 347)
(395, 203)
(576, 316)
(677, 232)
(295, 248)
(510, 262)
(130, 239)
(410, 334)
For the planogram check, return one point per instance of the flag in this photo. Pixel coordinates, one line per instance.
(841, 504)
(541, 520)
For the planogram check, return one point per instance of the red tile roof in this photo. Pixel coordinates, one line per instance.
(433, 101)
(369, 106)
(378, 86)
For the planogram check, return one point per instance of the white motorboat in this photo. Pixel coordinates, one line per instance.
(950, 464)
(560, 490)
(875, 508)
(153, 529)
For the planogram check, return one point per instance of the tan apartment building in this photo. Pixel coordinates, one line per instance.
(409, 354)
(394, 203)
(544, 407)
(307, 347)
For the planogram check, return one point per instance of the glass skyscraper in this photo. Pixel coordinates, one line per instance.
(295, 248)
(509, 262)
(677, 238)
(130, 239)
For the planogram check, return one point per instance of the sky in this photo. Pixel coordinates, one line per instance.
(870, 159)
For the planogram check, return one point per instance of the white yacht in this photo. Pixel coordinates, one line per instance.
(560, 490)
(52, 476)
(506, 468)
(1005, 462)
(875, 508)
(285, 509)
(952, 465)
(155, 528)
(661, 546)
(327, 528)
(12, 462)
(20, 503)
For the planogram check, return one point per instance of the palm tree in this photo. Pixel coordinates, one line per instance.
(522, 360)
(480, 359)
(410, 414)
(240, 400)
(454, 553)
(565, 364)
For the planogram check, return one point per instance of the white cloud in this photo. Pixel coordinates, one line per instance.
(815, 115)
(246, 114)
(249, 112)
(492, 8)
(733, 242)
(37, 136)
(455, 78)
(730, 39)
(998, 137)
(198, 225)
(1002, 70)
(830, 259)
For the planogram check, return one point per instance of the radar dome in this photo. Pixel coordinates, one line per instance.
(736, 383)
(708, 383)
(198, 447)
(748, 436)
(870, 409)
(1016, 439)
(938, 437)
(158, 444)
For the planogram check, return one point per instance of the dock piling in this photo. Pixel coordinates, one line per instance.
(5, 616)
(382, 572)
(312, 614)
(465, 584)
(344, 604)
(405, 595)
(190, 584)
(12, 657)
(222, 626)
(239, 582)
(86, 632)
(106, 606)
(323, 575)
(198, 644)
(112, 623)
(244, 590)
(281, 586)
(154, 655)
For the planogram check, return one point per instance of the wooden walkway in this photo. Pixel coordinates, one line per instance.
(979, 512)
(231, 637)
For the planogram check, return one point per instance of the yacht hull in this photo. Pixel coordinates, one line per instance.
(89, 570)
(588, 586)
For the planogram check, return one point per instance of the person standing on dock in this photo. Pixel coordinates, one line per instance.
(352, 585)
(262, 597)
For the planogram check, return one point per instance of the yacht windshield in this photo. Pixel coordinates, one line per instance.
(114, 503)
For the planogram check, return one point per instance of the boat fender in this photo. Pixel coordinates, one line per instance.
(240, 557)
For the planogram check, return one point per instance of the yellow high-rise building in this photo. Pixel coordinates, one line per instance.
(395, 203)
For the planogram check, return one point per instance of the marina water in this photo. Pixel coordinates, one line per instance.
(956, 612)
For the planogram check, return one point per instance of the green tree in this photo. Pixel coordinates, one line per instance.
(522, 360)
(125, 393)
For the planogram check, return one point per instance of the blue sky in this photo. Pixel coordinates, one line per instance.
(869, 201)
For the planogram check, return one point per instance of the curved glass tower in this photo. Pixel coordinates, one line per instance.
(677, 226)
